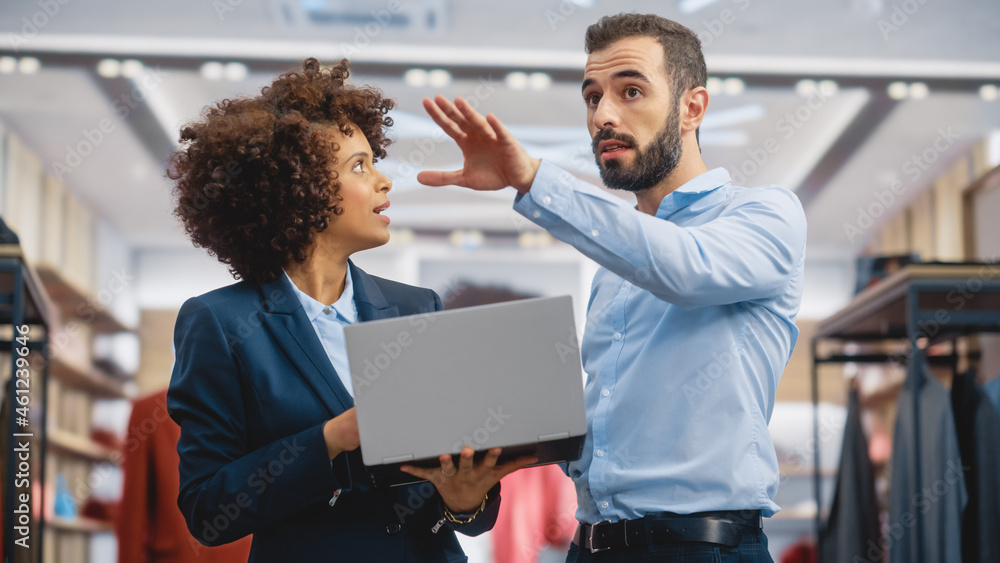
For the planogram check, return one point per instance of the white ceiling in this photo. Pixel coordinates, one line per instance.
(849, 145)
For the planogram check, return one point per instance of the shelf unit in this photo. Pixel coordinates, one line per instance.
(23, 301)
(919, 305)
(76, 384)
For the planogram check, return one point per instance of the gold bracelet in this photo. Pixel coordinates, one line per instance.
(451, 517)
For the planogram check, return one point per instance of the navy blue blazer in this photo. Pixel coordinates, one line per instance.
(251, 390)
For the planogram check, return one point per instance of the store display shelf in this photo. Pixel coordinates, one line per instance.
(76, 304)
(89, 379)
(73, 444)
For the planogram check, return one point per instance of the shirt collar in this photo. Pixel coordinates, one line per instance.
(344, 306)
(693, 190)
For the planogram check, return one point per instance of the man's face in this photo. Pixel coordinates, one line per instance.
(631, 114)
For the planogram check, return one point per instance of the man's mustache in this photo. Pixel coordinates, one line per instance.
(611, 135)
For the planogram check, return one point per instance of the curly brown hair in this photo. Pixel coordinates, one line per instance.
(254, 176)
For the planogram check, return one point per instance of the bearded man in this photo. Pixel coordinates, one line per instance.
(691, 318)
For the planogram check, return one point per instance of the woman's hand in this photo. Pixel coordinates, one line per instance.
(462, 489)
(341, 433)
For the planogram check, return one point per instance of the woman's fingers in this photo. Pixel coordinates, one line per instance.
(465, 459)
(447, 467)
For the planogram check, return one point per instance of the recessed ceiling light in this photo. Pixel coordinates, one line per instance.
(988, 92)
(713, 85)
(131, 68)
(109, 68)
(918, 90)
(415, 77)
(828, 87)
(733, 86)
(8, 65)
(235, 72)
(805, 88)
(29, 65)
(539, 81)
(439, 78)
(212, 71)
(898, 90)
(516, 81)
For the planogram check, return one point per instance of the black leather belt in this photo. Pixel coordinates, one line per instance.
(717, 527)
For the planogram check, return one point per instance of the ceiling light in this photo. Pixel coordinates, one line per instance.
(714, 86)
(212, 71)
(109, 68)
(898, 90)
(516, 81)
(805, 88)
(988, 92)
(439, 78)
(733, 86)
(918, 90)
(29, 65)
(828, 87)
(415, 77)
(8, 65)
(235, 72)
(539, 81)
(131, 68)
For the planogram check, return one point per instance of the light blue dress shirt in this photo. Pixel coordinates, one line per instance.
(690, 323)
(329, 322)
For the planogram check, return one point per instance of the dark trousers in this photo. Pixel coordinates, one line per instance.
(752, 549)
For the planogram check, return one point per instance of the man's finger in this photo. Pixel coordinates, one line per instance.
(441, 178)
(475, 119)
(452, 112)
(450, 127)
(500, 130)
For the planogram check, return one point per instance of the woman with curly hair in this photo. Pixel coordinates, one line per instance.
(282, 188)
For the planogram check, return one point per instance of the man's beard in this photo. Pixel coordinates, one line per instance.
(652, 164)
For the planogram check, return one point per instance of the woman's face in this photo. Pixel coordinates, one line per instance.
(364, 195)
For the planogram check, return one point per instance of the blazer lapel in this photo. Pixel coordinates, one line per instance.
(369, 299)
(287, 323)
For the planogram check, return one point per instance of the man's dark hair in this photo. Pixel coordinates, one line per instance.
(681, 46)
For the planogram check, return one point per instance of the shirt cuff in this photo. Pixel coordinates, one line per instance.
(548, 197)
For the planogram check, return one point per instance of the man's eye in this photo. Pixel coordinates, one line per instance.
(593, 99)
(632, 93)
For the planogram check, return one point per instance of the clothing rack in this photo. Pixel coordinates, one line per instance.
(921, 304)
(23, 301)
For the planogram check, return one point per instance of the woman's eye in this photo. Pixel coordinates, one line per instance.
(358, 167)
(632, 93)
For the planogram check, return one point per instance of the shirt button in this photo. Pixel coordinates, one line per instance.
(600, 453)
(595, 232)
(605, 393)
(628, 284)
(604, 504)
(393, 529)
(546, 200)
(618, 336)
(328, 310)
(536, 214)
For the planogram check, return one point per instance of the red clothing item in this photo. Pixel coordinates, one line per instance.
(150, 527)
(538, 510)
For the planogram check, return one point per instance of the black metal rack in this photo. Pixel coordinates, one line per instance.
(921, 304)
(23, 301)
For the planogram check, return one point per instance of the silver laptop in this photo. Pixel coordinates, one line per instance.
(505, 375)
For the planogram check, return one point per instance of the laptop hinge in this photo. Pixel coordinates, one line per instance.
(556, 436)
(397, 459)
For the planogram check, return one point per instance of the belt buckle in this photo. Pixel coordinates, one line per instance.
(590, 537)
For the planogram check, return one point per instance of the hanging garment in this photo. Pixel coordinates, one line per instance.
(150, 527)
(853, 527)
(992, 389)
(539, 504)
(925, 517)
(978, 426)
